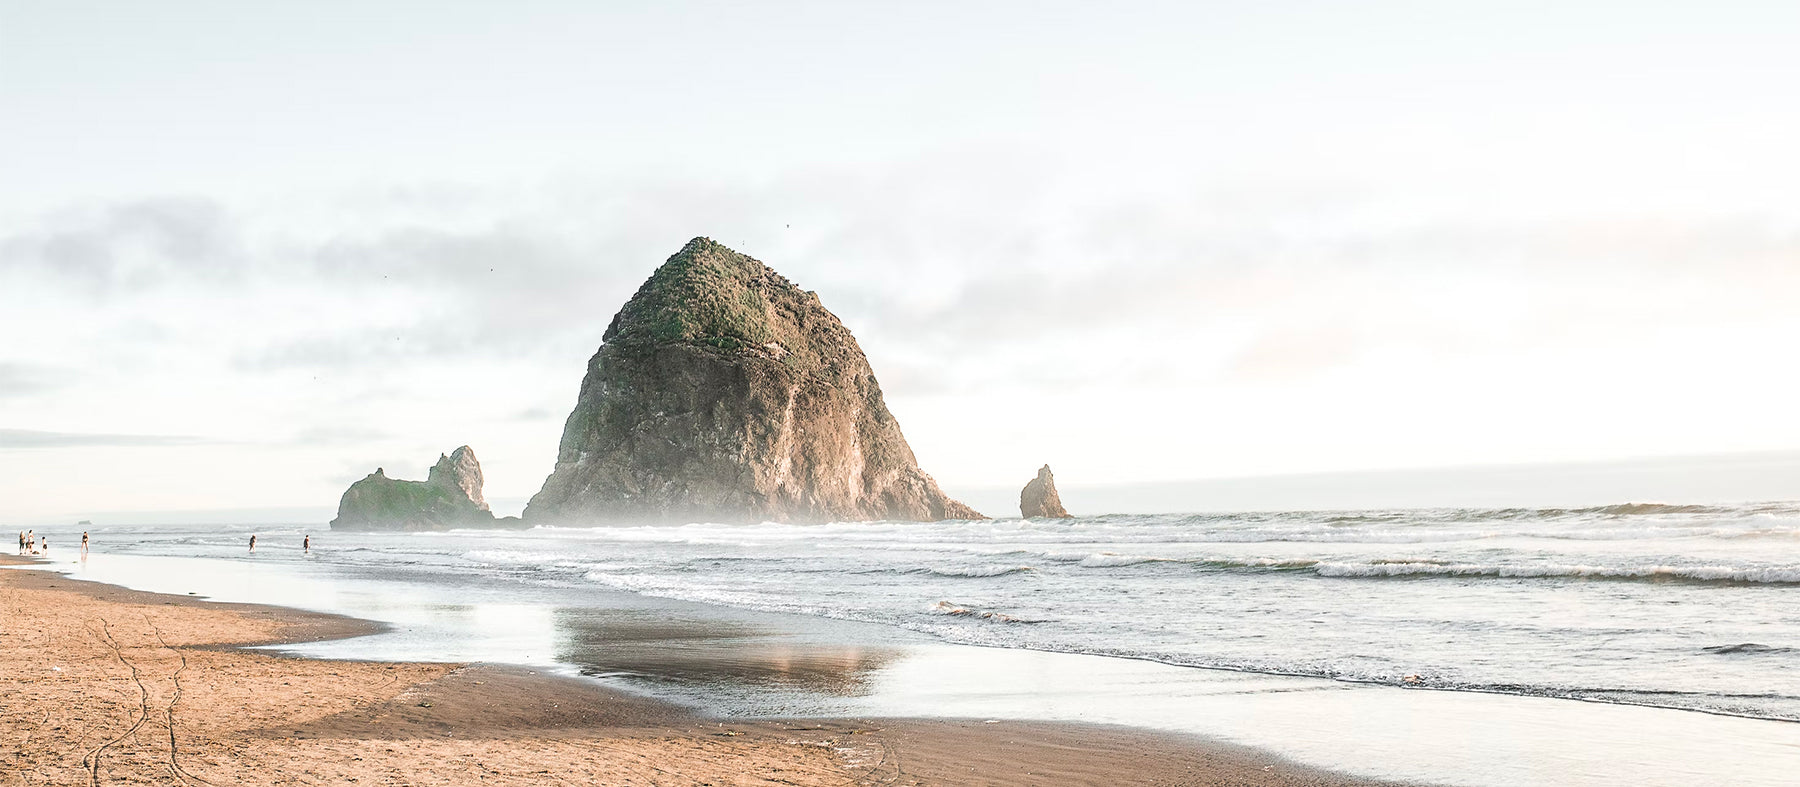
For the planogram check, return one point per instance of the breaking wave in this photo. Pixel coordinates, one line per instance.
(1410, 568)
(978, 572)
(1650, 509)
(951, 609)
(1110, 560)
(1745, 648)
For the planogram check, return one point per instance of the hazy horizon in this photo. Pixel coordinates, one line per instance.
(247, 255)
(1681, 480)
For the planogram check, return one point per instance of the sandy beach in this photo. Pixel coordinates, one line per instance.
(105, 685)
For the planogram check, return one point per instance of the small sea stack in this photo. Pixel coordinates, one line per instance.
(1039, 497)
(449, 497)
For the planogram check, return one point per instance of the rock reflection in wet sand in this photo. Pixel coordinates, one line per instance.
(647, 646)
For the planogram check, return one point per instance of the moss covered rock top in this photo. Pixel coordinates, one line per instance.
(711, 296)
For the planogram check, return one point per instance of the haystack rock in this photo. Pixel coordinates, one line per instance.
(449, 497)
(1039, 498)
(724, 393)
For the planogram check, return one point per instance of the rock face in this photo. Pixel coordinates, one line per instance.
(449, 497)
(724, 393)
(1039, 498)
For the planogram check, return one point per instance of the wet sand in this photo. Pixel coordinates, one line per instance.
(104, 685)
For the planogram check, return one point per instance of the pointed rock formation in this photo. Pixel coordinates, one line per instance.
(459, 473)
(449, 497)
(724, 393)
(1039, 498)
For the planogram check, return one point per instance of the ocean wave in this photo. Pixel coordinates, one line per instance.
(1615, 510)
(1410, 568)
(978, 572)
(1114, 560)
(1056, 557)
(1651, 509)
(1747, 648)
(957, 610)
(1110, 560)
(508, 557)
(1760, 526)
(512, 557)
(1417, 534)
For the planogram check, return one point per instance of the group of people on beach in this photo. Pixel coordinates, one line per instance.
(30, 543)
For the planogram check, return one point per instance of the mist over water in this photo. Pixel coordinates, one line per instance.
(1688, 607)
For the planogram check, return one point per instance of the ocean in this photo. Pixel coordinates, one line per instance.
(1692, 608)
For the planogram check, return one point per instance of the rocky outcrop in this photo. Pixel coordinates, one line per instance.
(1039, 497)
(459, 474)
(724, 393)
(449, 497)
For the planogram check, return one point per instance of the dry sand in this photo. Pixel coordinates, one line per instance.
(101, 685)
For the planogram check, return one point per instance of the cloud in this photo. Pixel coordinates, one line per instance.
(364, 347)
(338, 435)
(990, 274)
(31, 438)
(22, 379)
(421, 294)
(130, 245)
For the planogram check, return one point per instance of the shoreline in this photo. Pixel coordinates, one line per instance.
(190, 700)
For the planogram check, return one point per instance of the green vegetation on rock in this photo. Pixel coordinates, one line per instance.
(450, 496)
(710, 296)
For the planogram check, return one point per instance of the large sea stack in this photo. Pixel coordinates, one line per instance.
(449, 497)
(724, 393)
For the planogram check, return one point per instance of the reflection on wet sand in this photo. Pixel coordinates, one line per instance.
(650, 647)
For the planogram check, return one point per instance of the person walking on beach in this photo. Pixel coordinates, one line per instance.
(306, 544)
(253, 543)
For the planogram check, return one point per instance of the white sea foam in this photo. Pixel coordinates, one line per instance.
(1110, 560)
(513, 556)
(957, 610)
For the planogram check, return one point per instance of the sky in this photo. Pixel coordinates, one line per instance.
(249, 253)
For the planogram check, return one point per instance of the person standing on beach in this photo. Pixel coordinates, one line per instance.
(253, 543)
(84, 541)
(306, 544)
